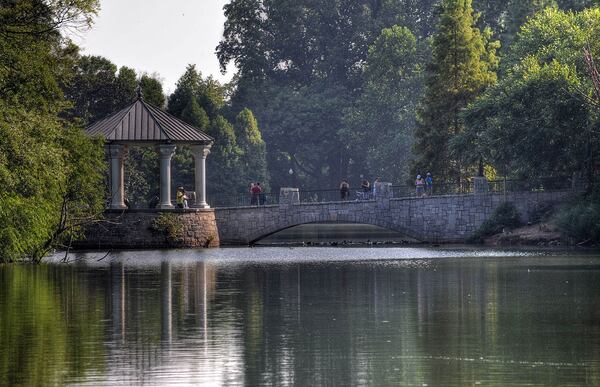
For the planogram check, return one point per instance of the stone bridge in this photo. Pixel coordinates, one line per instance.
(436, 219)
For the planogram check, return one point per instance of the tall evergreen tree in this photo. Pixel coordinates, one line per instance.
(238, 155)
(194, 115)
(222, 172)
(152, 90)
(463, 65)
(253, 157)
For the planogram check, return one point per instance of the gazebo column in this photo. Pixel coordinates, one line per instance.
(200, 153)
(166, 152)
(117, 191)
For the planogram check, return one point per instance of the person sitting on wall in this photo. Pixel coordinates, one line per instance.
(182, 199)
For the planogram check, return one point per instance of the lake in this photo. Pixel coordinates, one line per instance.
(411, 316)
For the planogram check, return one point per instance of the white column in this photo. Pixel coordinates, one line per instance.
(117, 192)
(200, 153)
(166, 152)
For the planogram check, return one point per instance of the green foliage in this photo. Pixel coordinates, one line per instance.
(194, 115)
(380, 127)
(506, 216)
(238, 154)
(252, 160)
(580, 221)
(539, 119)
(53, 328)
(208, 93)
(530, 124)
(301, 66)
(222, 163)
(50, 173)
(463, 65)
(97, 89)
(170, 226)
(518, 12)
(152, 90)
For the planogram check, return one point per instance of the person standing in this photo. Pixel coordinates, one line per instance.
(376, 187)
(344, 189)
(366, 189)
(255, 191)
(262, 197)
(420, 186)
(250, 191)
(429, 184)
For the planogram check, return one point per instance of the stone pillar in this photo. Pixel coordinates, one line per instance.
(166, 152)
(289, 196)
(117, 179)
(200, 153)
(384, 194)
(480, 185)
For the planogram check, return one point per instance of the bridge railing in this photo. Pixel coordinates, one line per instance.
(407, 191)
(333, 195)
(536, 184)
(398, 191)
(244, 200)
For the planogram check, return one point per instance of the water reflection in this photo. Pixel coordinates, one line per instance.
(201, 318)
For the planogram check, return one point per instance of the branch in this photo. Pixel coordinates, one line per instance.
(302, 168)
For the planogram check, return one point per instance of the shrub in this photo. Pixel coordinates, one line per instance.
(168, 225)
(541, 212)
(505, 216)
(580, 221)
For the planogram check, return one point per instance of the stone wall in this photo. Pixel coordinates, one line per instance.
(447, 219)
(153, 229)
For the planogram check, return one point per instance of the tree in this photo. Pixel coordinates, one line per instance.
(530, 124)
(208, 93)
(518, 11)
(201, 102)
(49, 171)
(540, 120)
(222, 171)
(463, 65)
(194, 115)
(152, 90)
(300, 68)
(98, 88)
(253, 159)
(381, 125)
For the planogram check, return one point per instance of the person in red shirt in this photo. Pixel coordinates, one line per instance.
(255, 190)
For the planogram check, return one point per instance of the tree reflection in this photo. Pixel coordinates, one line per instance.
(438, 322)
(50, 325)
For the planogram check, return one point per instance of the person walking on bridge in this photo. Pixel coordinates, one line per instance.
(429, 184)
(344, 189)
(376, 187)
(255, 191)
(366, 189)
(420, 186)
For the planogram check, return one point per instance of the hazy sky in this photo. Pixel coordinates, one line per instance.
(160, 36)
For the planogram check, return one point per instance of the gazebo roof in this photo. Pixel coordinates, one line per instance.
(143, 122)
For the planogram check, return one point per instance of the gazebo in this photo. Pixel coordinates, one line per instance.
(142, 124)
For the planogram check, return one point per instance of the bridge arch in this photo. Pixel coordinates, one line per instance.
(300, 218)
